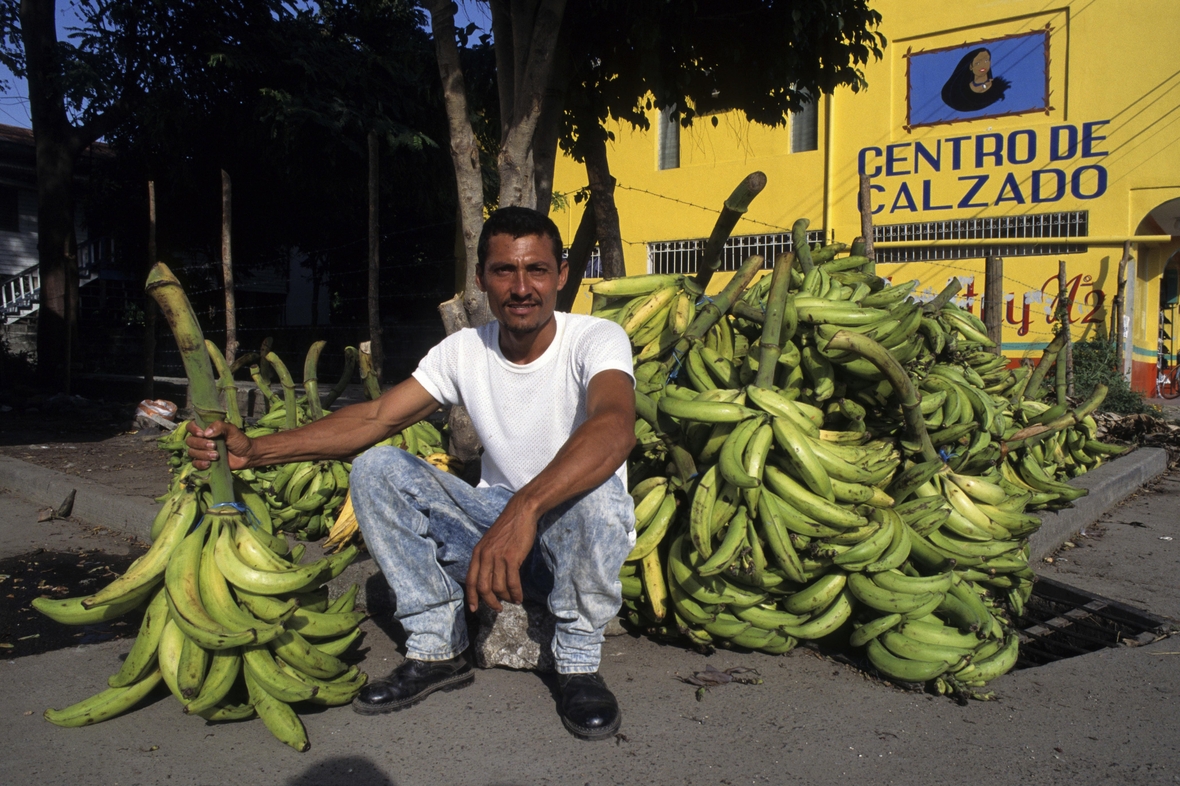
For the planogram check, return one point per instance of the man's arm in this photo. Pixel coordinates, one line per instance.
(340, 435)
(587, 459)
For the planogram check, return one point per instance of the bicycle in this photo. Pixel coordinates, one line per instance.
(1166, 383)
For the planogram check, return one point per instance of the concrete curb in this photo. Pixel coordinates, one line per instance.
(94, 503)
(1109, 485)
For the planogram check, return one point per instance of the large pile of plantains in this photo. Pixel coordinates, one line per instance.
(822, 456)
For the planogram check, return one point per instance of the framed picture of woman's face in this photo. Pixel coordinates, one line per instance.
(980, 79)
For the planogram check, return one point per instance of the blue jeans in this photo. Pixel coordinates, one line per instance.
(421, 526)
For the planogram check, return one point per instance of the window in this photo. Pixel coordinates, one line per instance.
(805, 128)
(668, 139)
(9, 209)
(593, 265)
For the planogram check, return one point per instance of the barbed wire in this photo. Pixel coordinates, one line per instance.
(693, 204)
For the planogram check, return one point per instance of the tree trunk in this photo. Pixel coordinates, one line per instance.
(606, 215)
(57, 251)
(581, 248)
(536, 27)
(464, 156)
(227, 269)
(549, 124)
(57, 147)
(376, 348)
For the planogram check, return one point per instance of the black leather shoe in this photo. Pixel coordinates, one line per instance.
(588, 708)
(412, 682)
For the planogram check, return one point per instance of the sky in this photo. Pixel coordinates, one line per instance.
(14, 100)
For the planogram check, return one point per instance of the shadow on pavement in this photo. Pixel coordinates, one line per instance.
(342, 771)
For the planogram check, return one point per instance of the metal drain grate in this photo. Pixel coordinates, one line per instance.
(1060, 621)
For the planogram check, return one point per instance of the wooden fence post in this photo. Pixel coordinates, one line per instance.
(375, 343)
(866, 222)
(227, 270)
(151, 309)
(1063, 308)
(1120, 309)
(993, 300)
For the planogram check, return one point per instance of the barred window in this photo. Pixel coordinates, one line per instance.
(683, 256)
(1046, 225)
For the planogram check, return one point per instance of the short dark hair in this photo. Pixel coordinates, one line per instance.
(519, 222)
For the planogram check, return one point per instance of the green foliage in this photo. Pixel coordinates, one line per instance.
(1094, 363)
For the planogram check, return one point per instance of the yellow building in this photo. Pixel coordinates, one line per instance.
(995, 122)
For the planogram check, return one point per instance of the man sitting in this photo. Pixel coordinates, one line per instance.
(551, 398)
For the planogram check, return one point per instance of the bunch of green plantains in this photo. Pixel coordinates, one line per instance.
(821, 455)
(303, 498)
(234, 624)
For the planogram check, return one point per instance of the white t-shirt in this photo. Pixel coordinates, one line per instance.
(523, 414)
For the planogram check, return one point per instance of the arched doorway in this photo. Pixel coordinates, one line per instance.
(1169, 335)
(1154, 275)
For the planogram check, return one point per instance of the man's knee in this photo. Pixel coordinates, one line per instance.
(376, 466)
(610, 500)
(604, 513)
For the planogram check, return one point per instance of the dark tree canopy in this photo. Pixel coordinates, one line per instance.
(281, 96)
(764, 58)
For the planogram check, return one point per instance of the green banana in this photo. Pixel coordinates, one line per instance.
(106, 704)
(278, 716)
(902, 669)
(817, 595)
(862, 634)
(874, 596)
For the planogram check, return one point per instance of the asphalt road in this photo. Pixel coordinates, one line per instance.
(1108, 717)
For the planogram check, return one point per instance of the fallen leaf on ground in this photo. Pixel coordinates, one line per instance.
(712, 677)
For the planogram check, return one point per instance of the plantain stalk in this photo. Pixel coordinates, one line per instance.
(799, 243)
(1048, 358)
(225, 383)
(944, 297)
(737, 204)
(350, 355)
(772, 328)
(292, 407)
(1018, 391)
(714, 308)
(1061, 368)
(368, 378)
(243, 361)
(263, 365)
(311, 384)
(165, 289)
(272, 400)
(746, 311)
(898, 378)
(1068, 420)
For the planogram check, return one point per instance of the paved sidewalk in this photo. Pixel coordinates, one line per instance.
(1105, 718)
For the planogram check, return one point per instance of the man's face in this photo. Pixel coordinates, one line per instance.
(522, 279)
